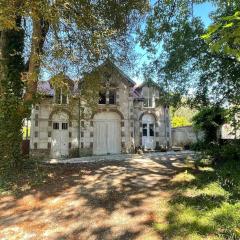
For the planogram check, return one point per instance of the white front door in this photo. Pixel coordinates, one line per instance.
(60, 137)
(107, 138)
(148, 131)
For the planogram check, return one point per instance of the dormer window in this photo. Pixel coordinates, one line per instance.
(148, 102)
(61, 97)
(149, 97)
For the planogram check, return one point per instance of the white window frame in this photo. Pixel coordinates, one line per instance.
(148, 98)
(61, 97)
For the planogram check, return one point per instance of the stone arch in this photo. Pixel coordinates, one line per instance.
(55, 111)
(110, 110)
(148, 112)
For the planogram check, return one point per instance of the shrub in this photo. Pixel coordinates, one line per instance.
(208, 120)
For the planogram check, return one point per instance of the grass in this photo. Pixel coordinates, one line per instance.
(205, 204)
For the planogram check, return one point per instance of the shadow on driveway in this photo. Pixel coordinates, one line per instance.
(105, 200)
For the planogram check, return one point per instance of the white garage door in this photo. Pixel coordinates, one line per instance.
(60, 135)
(107, 138)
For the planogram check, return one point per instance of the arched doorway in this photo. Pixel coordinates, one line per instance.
(107, 137)
(60, 134)
(148, 132)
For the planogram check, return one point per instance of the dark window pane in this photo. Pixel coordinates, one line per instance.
(151, 129)
(150, 102)
(145, 104)
(58, 96)
(64, 126)
(144, 129)
(112, 97)
(64, 99)
(102, 98)
(82, 123)
(55, 125)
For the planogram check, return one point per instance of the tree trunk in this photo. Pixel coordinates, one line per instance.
(40, 29)
(11, 92)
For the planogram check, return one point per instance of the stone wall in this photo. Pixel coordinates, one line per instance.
(182, 136)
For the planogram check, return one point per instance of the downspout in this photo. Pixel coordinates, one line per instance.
(79, 123)
(165, 127)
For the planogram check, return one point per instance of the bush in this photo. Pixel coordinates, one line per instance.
(230, 151)
(198, 146)
(226, 152)
(208, 120)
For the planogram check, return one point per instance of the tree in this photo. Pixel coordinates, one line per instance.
(182, 116)
(61, 35)
(209, 120)
(186, 65)
(223, 35)
(11, 90)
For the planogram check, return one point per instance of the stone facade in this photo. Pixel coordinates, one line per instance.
(130, 121)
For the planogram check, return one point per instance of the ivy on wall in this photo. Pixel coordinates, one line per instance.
(12, 108)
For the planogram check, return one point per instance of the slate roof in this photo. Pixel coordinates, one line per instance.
(45, 88)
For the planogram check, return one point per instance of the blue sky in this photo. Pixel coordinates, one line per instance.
(203, 10)
(200, 10)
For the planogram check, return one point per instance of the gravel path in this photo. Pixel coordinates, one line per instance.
(105, 200)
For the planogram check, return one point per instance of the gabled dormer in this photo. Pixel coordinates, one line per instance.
(63, 88)
(112, 80)
(149, 92)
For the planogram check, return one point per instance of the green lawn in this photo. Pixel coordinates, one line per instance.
(205, 204)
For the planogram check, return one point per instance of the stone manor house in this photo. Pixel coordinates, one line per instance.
(127, 116)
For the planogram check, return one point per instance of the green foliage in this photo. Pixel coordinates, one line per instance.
(186, 64)
(206, 204)
(224, 152)
(12, 109)
(26, 132)
(223, 36)
(209, 120)
(180, 121)
(182, 116)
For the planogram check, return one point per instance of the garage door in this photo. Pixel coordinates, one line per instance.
(107, 138)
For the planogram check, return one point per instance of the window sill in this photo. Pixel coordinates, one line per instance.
(61, 104)
(149, 107)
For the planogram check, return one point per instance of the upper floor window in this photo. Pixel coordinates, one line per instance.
(112, 97)
(61, 97)
(102, 98)
(148, 102)
(149, 95)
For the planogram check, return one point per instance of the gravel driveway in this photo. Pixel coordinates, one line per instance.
(106, 200)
